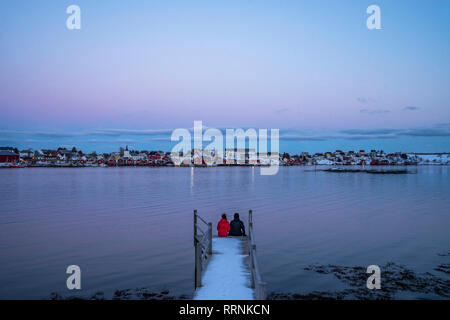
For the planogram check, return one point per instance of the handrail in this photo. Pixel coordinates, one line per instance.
(200, 229)
(202, 220)
(203, 248)
(202, 239)
(203, 252)
(256, 280)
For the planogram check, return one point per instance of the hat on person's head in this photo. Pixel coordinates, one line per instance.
(224, 216)
(236, 215)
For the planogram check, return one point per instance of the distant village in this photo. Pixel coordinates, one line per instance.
(62, 157)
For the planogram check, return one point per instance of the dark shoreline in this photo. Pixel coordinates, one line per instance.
(372, 171)
(396, 279)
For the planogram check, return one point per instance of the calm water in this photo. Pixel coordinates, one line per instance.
(132, 227)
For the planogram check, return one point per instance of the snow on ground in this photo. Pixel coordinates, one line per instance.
(324, 162)
(437, 159)
(226, 277)
(434, 159)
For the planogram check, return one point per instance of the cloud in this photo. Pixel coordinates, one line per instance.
(160, 139)
(437, 131)
(119, 132)
(411, 108)
(57, 134)
(369, 131)
(17, 141)
(334, 137)
(442, 125)
(282, 110)
(303, 138)
(365, 137)
(365, 100)
(130, 136)
(108, 141)
(49, 134)
(362, 100)
(374, 111)
(96, 132)
(427, 132)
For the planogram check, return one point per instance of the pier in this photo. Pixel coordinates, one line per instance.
(226, 268)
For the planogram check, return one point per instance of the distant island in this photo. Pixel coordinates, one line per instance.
(62, 157)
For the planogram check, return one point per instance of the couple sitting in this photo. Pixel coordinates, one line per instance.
(235, 228)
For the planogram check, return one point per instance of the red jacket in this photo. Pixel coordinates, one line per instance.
(223, 227)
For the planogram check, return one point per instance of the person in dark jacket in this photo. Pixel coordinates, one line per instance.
(237, 226)
(223, 227)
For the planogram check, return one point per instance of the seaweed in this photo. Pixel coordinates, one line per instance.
(395, 278)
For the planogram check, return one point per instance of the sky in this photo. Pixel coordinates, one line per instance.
(137, 70)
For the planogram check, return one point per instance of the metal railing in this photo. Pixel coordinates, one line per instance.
(256, 280)
(203, 247)
(203, 252)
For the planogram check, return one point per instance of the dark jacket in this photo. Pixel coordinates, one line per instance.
(237, 228)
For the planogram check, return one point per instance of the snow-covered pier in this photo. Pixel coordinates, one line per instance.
(226, 267)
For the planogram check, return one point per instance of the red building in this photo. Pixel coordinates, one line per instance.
(8, 156)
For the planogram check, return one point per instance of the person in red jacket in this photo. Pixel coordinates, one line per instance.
(223, 227)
